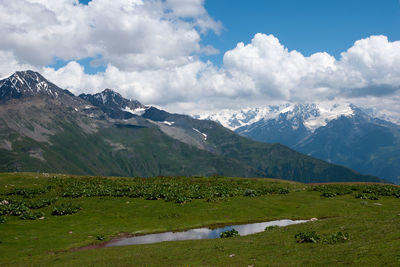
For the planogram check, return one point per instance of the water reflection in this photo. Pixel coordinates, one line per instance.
(200, 233)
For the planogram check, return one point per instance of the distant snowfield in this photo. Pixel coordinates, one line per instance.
(312, 115)
(328, 113)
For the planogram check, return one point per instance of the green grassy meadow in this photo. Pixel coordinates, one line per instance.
(110, 207)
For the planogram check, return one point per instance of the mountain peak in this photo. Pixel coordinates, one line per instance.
(29, 77)
(114, 104)
(109, 96)
(109, 91)
(27, 83)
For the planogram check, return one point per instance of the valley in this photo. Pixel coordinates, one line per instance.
(48, 129)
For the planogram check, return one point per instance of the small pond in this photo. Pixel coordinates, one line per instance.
(199, 233)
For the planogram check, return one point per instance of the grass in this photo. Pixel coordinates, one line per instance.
(373, 225)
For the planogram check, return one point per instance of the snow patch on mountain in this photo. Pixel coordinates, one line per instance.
(203, 134)
(136, 111)
(169, 123)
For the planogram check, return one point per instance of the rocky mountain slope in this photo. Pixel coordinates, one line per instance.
(47, 129)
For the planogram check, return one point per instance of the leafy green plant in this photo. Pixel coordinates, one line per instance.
(176, 189)
(307, 237)
(338, 237)
(29, 215)
(271, 227)
(249, 193)
(15, 208)
(361, 196)
(313, 237)
(373, 197)
(65, 209)
(230, 233)
(2, 219)
(328, 194)
(100, 237)
(30, 192)
(40, 203)
(370, 191)
(333, 190)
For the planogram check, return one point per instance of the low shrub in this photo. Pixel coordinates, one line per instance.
(307, 237)
(363, 191)
(230, 233)
(361, 196)
(100, 237)
(373, 197)
(328, 194)
(15, 209)
(249, 193)
(271, 227)
(177, 189)
(313, 237)
(29, 215)
(333, 190)
(338, 237)
(29, 192)
(40, 203)
(65, 209)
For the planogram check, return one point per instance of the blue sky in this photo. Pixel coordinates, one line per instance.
(308, 26)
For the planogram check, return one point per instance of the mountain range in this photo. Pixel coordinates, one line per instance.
(340, 133)
(48, 129)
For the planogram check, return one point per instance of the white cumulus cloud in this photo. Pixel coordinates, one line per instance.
(371, 67)
(152, 48)
(129, 34)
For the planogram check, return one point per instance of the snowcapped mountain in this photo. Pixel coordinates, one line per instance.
(28, 85)
(338, 133)
(114, 105)
(312, 116)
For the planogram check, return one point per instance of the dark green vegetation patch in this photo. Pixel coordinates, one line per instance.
(175, 189)
(65, 209)
(313, 237)
(20, 201)
(363, 191)
(229, 233)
